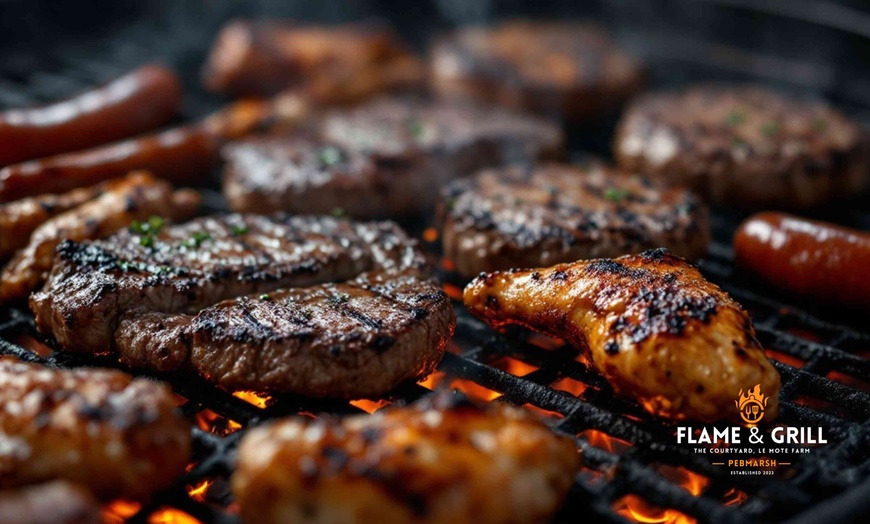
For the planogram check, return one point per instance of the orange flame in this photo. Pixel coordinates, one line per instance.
(118, 511)
(208, 420)
(253, 398)
(171, 516)
(514, 367)
(604, 441)
(734, 497)
(199, 491)
(369, 406)
(432, 381)
(639, 510)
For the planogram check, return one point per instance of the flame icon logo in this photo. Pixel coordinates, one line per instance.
(751, 405)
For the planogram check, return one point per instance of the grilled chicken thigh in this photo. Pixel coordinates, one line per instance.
(57, 502)
(115, 435)
(439, 460)
(137, 196)
(652, 325)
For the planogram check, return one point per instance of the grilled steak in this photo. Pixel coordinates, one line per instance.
(745, 146)
(651, 324)
(115, 435)
(316, 306)
(550, 213)
(440, 460)
(387, 158)
(568, 70)
(55, 502)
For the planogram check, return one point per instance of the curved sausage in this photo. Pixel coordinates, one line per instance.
(183, 155)
(805, 257)
(139, 101)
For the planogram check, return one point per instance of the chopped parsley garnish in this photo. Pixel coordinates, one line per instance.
(265, 296)
(616, 194)
(735, 118)
(196, 239)
(237, 230)
(340, 298)
(770, 128)
(147, 230)
(330, 156)
(337, 212)
(146, 241)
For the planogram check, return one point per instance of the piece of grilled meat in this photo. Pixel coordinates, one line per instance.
(137, 196)
(527, 216)
(386, 158)
(569, 70)
(311, 305)
(440, 460)
(330, 65)
(20, 218)
(651, 324)
(57, 502)
(115, 435)
(745, 146)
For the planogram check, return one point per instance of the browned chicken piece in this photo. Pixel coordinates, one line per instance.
(138, 196)
(20, 218)
(115, 435)
(57, 502)
(329, 65)
(651, 324)
(443, 459)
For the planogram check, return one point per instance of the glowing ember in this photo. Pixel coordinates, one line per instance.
(604, 441)
(253, 398)
(514, 366)
(447, 264)
(545, 342)
(208, 420)
(785, 359)
(199, 491)
(475, 390)
(452, 291)
(171, 516)
(544, 413)
(369, 406)
(430, 234)
(431, 382)
(569, 385)
(117, 512)
(734, 497)
(639, 510)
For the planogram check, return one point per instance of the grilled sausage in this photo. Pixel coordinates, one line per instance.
(651, 323)
(57, 502)
(21, 218)
(115, 435)
(183, 155)
(139, 101)
(443, 459)
(805, 257)
(137, 196)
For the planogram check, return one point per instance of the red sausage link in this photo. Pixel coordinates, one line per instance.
(182, 155)
(139, 101)
(806, 257)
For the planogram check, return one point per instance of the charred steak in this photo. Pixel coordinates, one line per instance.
(745, 146)
(572, 71)
(310, 305)
(551, 213)
(386, 158)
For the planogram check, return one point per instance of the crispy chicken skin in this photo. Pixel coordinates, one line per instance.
(443, 459)
(115, 435)
(134, 197)
(57, 502)
(20, 218)
(652, 325)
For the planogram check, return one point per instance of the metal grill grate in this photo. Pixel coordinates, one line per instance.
(625, 452)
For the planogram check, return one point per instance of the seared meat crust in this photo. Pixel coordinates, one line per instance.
(551, 213)
(745, 146)
(386, 158)
(160, 307)
(134, 197)
(651, 324)
(117, 436)
(567, 70)
(441, 460)
(57, 502)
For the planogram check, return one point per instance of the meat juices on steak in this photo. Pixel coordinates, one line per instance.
(310, 305)
(745, 146)
(386, 158)
(572, 71)
(550, 213)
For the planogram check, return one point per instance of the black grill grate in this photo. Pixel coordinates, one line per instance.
(828, 389)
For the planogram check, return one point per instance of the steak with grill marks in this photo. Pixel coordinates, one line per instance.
(309, 305)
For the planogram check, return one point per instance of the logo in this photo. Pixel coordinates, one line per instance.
(751, 405)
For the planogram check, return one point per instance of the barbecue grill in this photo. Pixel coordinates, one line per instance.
(633, 470)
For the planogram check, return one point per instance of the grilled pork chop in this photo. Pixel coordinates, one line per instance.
(551, 213)
(745, 146)
(57, 502)
(439, 460)
(115, 435)
(310, 305)
(652, 325)
(568, 70)
(137, 196)
(386, 158)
